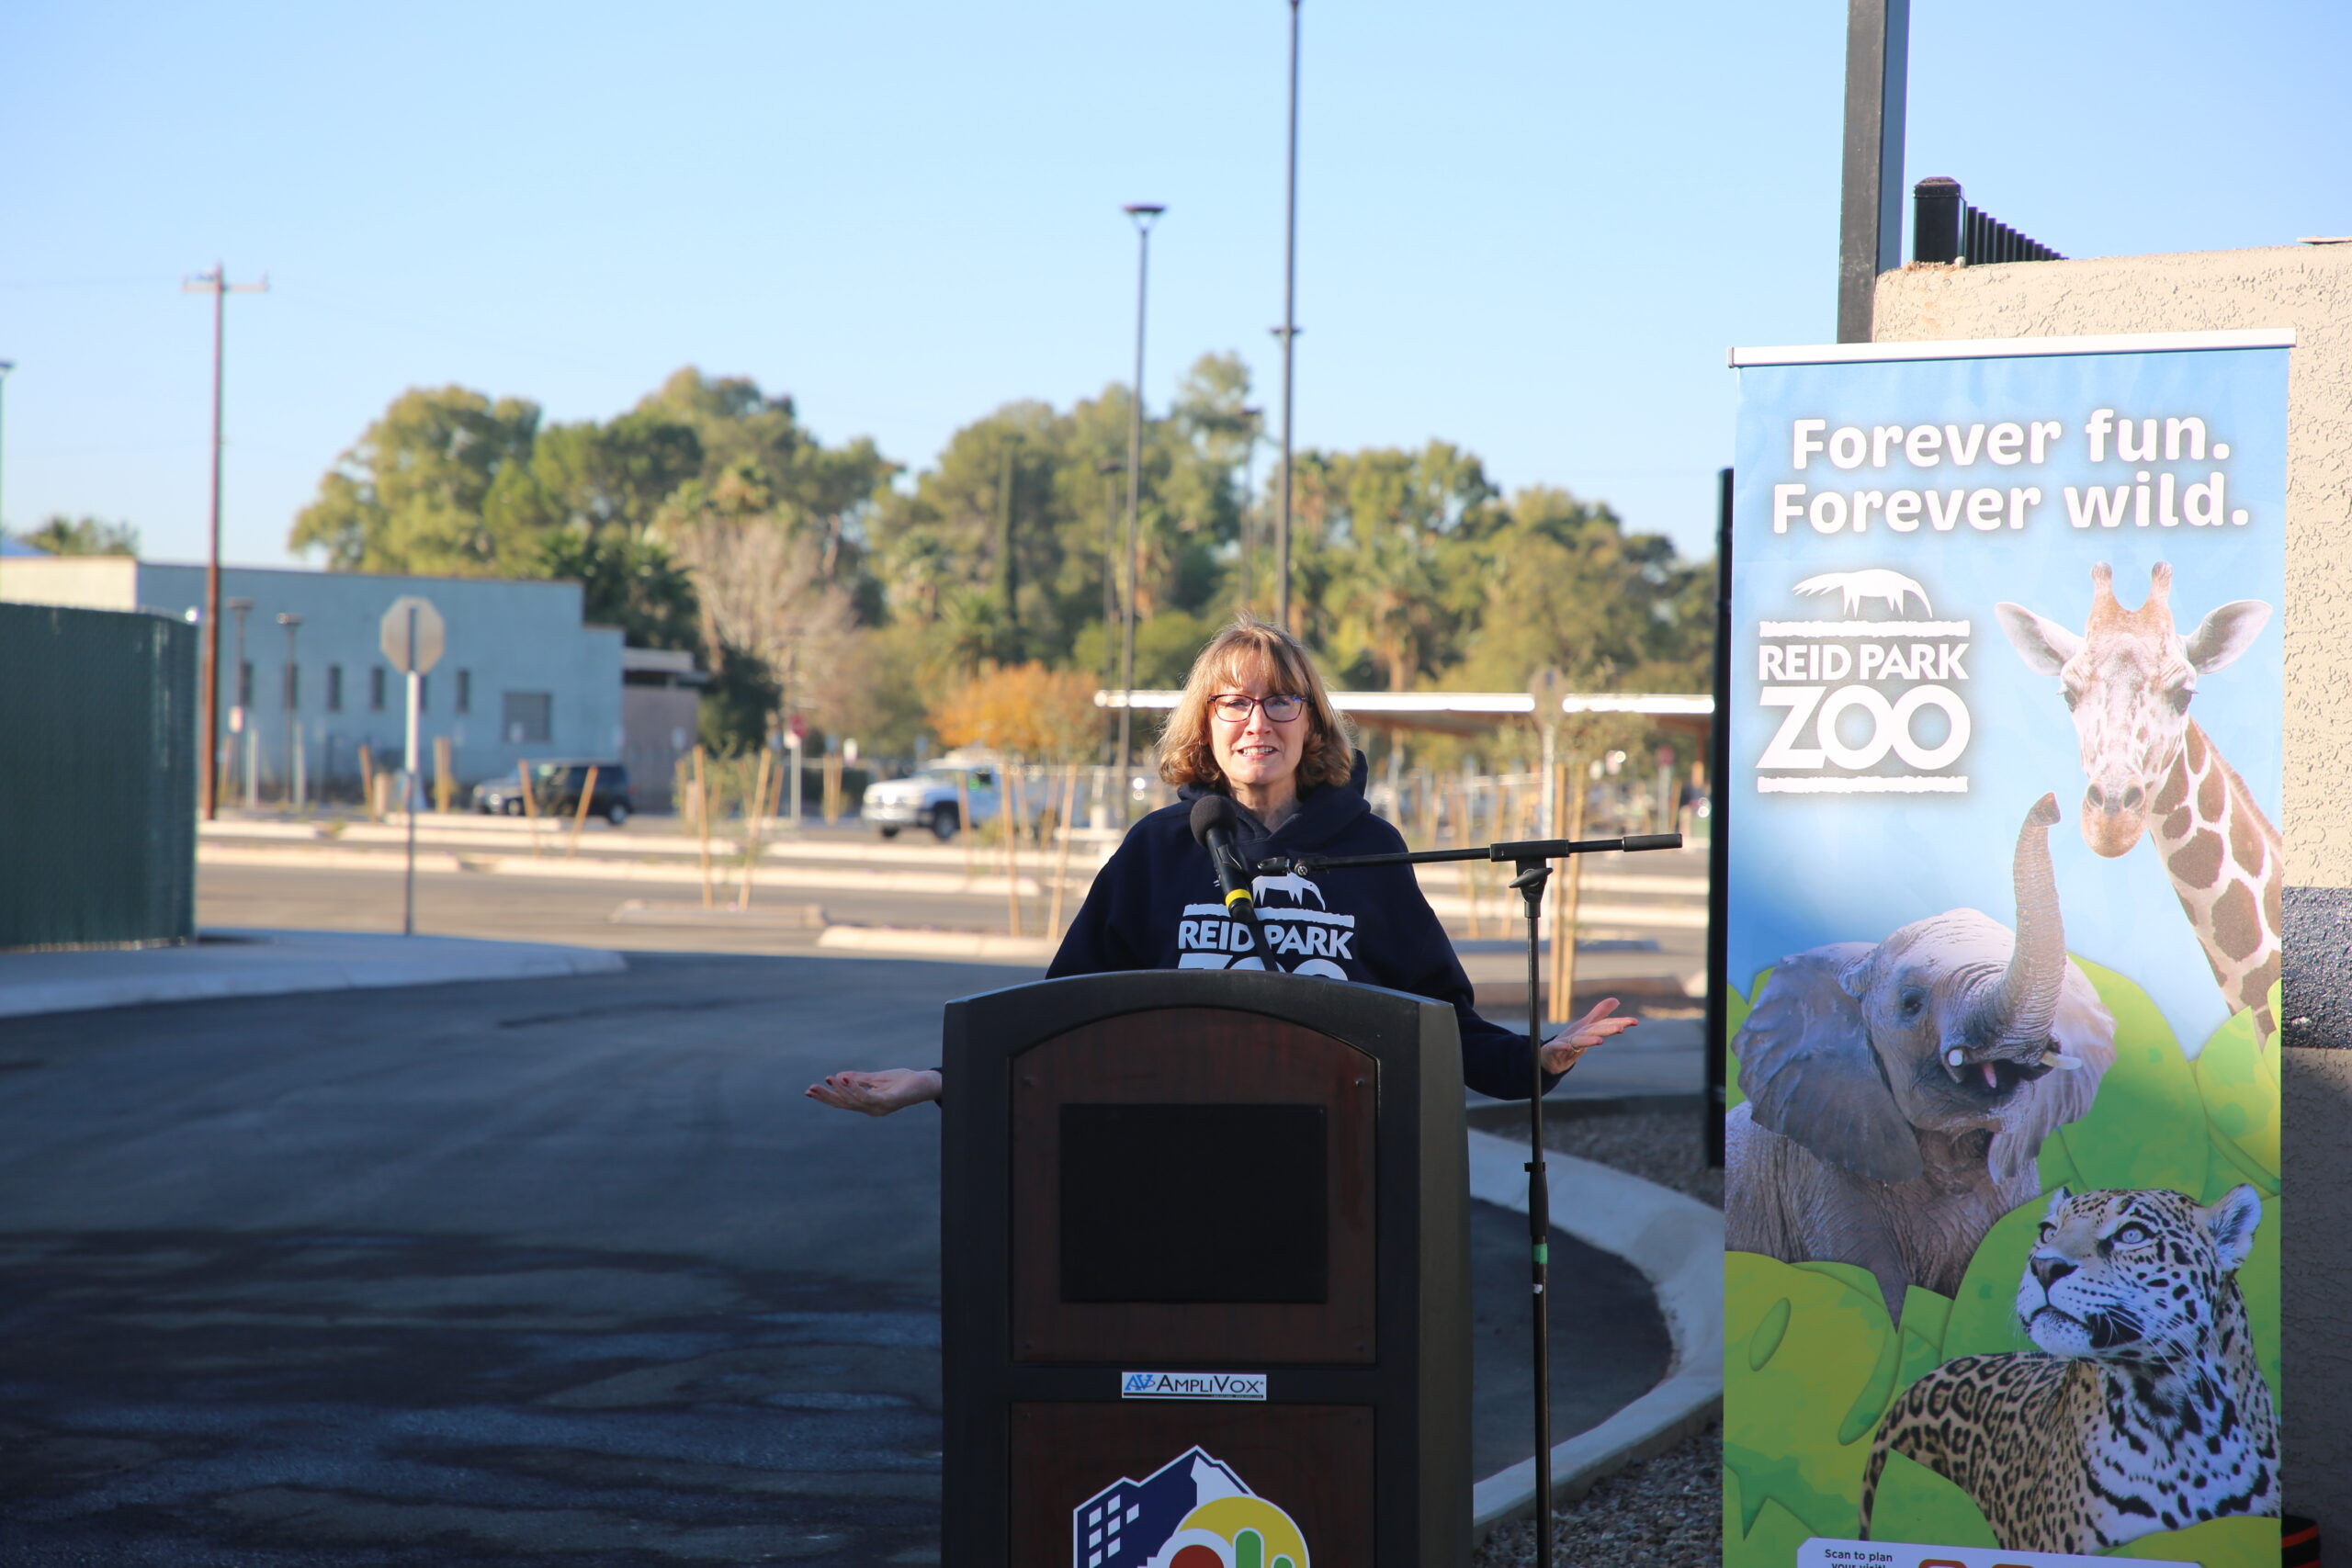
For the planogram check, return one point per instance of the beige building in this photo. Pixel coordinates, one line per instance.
(2307, 287)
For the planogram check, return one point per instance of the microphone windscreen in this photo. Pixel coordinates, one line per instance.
(1210, 811)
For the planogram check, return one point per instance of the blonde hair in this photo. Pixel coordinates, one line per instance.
(1250, 647)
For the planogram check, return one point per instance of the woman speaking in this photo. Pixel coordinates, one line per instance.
(1256, 725)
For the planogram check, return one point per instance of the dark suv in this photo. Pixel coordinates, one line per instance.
(556, 786)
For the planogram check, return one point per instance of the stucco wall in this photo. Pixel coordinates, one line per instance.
(2308, 287)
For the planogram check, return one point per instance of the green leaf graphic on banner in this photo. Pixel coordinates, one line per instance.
(2239, 1086)
(1913, 1504)
(1824, 1349)
(1768, 1335)
(2146, 1127)
(1924, 1316)
(1861, 1420)
(2216, 1543)
(1984, 1312)
(1736, 1011)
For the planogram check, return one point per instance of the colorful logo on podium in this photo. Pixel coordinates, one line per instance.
(1193, 1512)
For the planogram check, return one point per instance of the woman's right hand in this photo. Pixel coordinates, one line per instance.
(878, 1094)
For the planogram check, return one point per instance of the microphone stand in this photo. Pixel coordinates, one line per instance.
(1533, 859)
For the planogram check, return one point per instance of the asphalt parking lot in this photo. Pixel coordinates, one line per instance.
(530, 1272)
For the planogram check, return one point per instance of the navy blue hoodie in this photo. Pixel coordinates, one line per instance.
(1155, 905)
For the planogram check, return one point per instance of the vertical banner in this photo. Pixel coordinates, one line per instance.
(2002, 1202)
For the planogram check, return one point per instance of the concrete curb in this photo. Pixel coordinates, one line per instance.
(1678, 1244)
(672, 861)
(725, 874)
(986, 946)
(273, 964)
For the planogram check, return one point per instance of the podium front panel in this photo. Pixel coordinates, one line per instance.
(1245, 1092)
(1205, 1275)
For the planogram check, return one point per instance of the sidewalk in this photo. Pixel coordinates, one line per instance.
(274, 962)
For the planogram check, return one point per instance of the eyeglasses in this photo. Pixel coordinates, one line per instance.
(1281, 707)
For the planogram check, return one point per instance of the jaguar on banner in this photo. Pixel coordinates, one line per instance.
(2002, 1197)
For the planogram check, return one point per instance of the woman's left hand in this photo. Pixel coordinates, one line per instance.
(1561, 1052)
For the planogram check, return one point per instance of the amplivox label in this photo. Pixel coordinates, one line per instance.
(1191, 1385)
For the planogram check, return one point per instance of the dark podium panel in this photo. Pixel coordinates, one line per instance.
(1206, 1284)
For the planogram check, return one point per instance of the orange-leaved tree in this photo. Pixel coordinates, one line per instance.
(1023, 710)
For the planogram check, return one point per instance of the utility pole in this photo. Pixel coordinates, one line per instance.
(215, 283)
(1143, 213)
(1870, 222)
(1288, 333)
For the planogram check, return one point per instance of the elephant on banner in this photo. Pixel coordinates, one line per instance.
(1898, 1093)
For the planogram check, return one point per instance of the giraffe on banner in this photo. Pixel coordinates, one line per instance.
(2128, 678)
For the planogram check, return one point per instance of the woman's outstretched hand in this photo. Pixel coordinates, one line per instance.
(878, 1094)
(1561, 1052)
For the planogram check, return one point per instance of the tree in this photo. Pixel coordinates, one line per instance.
(626, 583)
(763, 592)
(61, 535)
(408, 496)
(1023, 710)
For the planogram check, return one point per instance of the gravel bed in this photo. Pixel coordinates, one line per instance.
(1657, 1146)
(1662, 1513)
(1665, 1512)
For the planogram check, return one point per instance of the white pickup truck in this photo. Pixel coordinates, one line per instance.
(929, 799)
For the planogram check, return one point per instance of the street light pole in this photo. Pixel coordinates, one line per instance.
(215, 283)
(292, 623)
(1288, 333)
(1143, 213)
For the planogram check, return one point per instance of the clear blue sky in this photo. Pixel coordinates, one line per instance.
(1532, 229)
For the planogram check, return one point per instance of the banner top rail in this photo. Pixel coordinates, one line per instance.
(2013, 347)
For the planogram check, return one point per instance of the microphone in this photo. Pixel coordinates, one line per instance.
(1212, 823)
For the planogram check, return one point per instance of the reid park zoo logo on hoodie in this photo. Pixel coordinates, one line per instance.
(1307, 936)
(1865, 701)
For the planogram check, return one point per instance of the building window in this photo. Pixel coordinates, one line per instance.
(293, 687)
(245, 684)
(376, 689)
(525, 721)
(465, 691)
(423, 693)
(334, 688)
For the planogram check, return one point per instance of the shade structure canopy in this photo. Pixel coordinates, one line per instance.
(1470, 713)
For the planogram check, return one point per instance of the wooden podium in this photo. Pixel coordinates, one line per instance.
(1205, 1275)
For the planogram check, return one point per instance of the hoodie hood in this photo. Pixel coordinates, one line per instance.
(1325, 813)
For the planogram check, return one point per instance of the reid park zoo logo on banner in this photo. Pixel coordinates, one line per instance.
(1870, 697)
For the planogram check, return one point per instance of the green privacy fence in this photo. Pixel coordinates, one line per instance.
(98, 777)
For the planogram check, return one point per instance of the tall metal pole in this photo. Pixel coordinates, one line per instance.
(1289, 334)
(1870, 225)
(1143, 213)
(215, 283)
